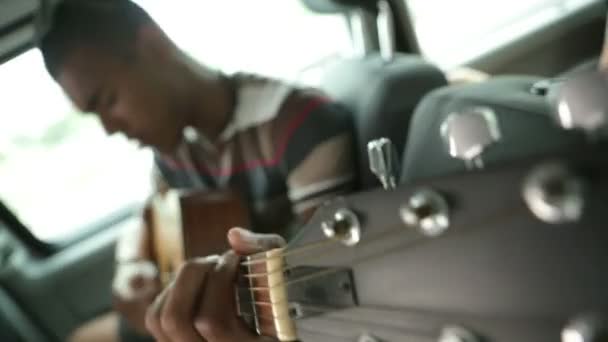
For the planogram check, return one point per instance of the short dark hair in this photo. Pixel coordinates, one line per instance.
(110, 25)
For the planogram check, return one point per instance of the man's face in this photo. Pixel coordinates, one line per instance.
(130, 97)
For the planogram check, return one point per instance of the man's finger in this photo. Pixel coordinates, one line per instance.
(153, 323)
(244, 242)
(182, 302)
(217, 316)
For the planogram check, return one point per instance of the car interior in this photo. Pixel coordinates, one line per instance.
(401, 67)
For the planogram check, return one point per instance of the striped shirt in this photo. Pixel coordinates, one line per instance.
(285, 149)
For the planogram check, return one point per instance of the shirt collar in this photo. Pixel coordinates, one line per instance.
(258, 101)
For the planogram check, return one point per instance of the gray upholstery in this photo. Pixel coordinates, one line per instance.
(382, 96)
(527, 126)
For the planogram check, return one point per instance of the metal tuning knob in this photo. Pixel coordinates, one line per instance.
(588, 328)
(554, 194)
(581, 103)
(467, 134)
(428, 211)
(344, 226)
(383, 161)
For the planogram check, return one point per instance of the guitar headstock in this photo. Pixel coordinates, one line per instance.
(474, 250)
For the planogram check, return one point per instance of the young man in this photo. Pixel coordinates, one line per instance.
(285, 149)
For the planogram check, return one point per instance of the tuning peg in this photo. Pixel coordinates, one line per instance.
(581, 103)
(344, 226)
(428, 211)
(383, 161)
(554, 194)
(467, 134)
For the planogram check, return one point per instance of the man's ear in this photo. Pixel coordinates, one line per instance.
(152, 41)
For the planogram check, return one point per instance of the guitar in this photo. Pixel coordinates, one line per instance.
(465, 256)
(510, 253)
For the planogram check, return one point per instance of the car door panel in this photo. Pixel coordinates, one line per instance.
(68, 288)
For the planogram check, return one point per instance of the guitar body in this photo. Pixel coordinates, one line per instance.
(190, 224)
(206, 219)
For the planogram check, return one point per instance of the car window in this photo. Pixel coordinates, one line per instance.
(60, 174)
(277, 38)
(453, 32)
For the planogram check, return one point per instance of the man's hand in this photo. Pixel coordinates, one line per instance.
(134, 288)
(136, 282)
(200, 304)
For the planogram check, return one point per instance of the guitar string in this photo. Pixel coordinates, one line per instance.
(307, 307)
(261, 258)
(325, 310)
(503, 216)
(383, 235)
(315, 256)
(310, 257)
(424, 335)
(322, 310)
(271, 320)
(295, 281)
(294, 251)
